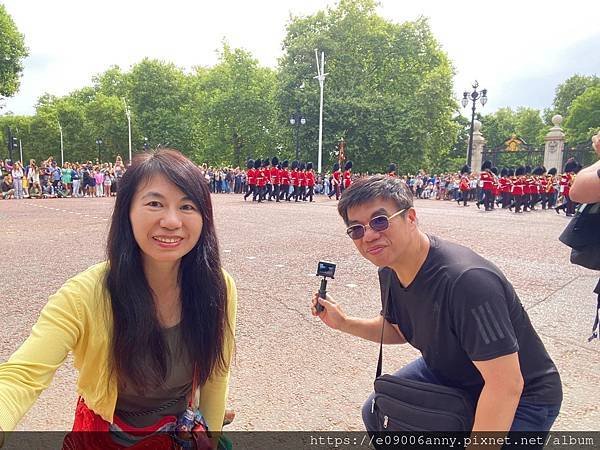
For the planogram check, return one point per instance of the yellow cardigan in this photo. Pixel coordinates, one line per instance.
(78, 318)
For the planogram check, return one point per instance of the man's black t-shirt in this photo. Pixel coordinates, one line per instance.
(460, 308)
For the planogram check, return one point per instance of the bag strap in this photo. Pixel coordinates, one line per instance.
(387, 286)
(194, 402)
(596, 322)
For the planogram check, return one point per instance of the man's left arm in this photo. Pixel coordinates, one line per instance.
(500, 394)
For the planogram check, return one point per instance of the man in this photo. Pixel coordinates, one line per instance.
(456, 307)
(486, 179)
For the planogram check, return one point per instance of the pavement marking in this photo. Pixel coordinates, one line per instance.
(226, 251)
(279, 265)
(351, 285)
(94, 217)
(250, 257)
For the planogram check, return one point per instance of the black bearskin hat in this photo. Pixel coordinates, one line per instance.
(285, 163)
(494, 170)
(336, 166)
(294, 164)
(348, 165)
(465, 169)
(302, 165)
(274, 160)
(571, 165)
(552, 171)
(578, 168)
(511, 172)
(527, 169)
(538, 171)
(487, 165)
(266, 162)
(392, 168)
(504, 172)
(250, 164)
(520, 171)
(257, 163)
(309, 165)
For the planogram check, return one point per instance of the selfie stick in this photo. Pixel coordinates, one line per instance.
(322, 293)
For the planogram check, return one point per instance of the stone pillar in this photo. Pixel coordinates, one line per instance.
(555, 145)
(478, 143)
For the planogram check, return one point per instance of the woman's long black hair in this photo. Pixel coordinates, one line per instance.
(139, 352)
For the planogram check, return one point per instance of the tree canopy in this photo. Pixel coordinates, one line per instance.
(12, 53)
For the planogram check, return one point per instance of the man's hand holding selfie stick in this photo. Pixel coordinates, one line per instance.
(329, 311)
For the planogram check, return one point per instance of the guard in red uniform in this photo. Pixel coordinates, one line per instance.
(537, 175)
(295, 180)
(566, 180)
(275, 179)
(392, 170)
(336, 182)
(284, 188)
(347, 175)
(495, 187)
(486, 179)
(518, 188)
(550, 189)
(301, 181)
(504, 184)
(310, 181)
(250, 179)
(260, 180)
(463, 185)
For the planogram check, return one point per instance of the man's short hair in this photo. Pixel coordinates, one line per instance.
(377, 187)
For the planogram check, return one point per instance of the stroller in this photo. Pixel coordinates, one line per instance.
(60, 190)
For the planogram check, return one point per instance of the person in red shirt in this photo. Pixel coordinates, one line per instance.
(336, 181)
(347, 176)
(463, 185)
(250, 179)
(310, 180)
(263, 179)
(284, 175)
(504, 187)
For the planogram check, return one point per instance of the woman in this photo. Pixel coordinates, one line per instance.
(159, 312)
(17, 176)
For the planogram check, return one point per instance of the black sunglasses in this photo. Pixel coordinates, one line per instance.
(378, 223)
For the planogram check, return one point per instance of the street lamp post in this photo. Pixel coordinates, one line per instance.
(128, 113)
(99, 143)
(146, 144)
(296, 120)
(62, 150)
(473, 97)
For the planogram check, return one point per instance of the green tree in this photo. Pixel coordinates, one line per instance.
(567, 92)
(235, 110)
(12, 53)
(529, 126)
(388, 92)
(498, 127)
(583, 120)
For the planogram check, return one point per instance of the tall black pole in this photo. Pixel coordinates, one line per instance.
(297, 137)
(10, 144)
(470, 151)
(98, 143)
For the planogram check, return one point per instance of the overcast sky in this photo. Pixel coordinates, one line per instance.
(518, 49)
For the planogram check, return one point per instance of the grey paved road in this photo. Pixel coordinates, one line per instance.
(291, 372)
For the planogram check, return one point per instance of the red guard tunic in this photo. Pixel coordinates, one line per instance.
(294, 180)
(565, 183)
(487, 180)
(251, 174)
(347, 179)
(284, 175)
(261, 180)
(310, 178)
(337, 177)
(302, 178)
(518, 185)
(275, 176)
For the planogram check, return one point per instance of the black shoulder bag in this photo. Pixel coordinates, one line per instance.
(408, 405)
(582, 234)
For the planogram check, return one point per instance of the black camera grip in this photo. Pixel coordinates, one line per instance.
(322, 294)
